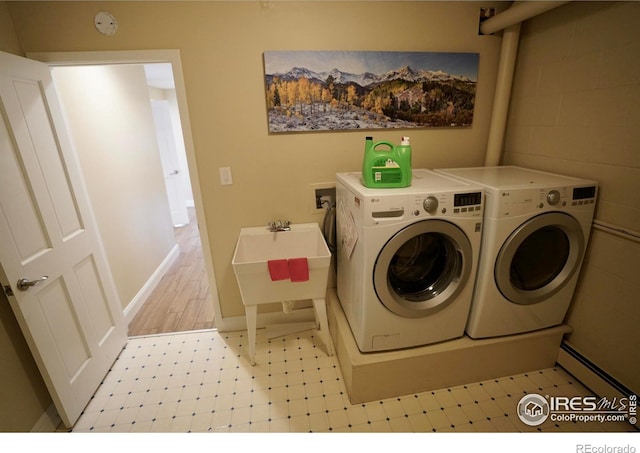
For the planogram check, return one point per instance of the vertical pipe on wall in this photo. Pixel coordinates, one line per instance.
(509, 21)
(508, 55)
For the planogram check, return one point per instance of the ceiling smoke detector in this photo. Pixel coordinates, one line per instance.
(105, 23)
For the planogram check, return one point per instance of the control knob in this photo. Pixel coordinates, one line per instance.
(430, 204)
(553, 197)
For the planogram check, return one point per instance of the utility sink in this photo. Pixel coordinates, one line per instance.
(257, 246)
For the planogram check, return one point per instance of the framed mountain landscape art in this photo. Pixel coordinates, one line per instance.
(347, 90)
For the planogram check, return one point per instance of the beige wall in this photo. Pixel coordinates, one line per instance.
(575, 109)
(108, 113)
(221, 46)
(8, 38)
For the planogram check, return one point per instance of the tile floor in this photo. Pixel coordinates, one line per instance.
(202, 382)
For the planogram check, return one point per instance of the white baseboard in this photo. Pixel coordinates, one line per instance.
(48, 422)
(588, 374)
(138, 301)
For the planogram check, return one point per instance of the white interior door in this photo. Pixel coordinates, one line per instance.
(170, 163)
(69, 313)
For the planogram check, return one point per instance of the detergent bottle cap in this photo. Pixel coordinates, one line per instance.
(405, 141)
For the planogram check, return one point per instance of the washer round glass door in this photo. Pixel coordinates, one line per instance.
(422, 268)
(539, 257)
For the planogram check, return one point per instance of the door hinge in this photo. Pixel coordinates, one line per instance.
(7, 290)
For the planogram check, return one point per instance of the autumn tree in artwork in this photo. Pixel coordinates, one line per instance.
(430, 103)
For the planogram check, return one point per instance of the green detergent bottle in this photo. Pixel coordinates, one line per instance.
(387, 167)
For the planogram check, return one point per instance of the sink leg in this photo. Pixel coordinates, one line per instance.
(320, 308)
(251, 313)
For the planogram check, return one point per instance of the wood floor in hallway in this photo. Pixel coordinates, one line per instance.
(181, 301)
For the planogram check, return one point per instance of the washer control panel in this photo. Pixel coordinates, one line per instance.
(430, 204)
(467, 202)
(463, 204)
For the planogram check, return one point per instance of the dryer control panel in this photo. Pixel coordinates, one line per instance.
(516, 202)
(561, 197)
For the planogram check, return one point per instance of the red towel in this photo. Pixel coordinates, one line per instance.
(278, 270)
(298, 269)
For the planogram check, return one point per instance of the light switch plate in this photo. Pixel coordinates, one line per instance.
(225, 176)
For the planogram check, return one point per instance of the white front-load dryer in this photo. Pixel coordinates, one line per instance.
(406, 258)
(536, 229)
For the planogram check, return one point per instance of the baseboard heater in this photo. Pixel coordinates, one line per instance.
(590, 374)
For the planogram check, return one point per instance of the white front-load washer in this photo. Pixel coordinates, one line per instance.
(536, 229)
(406, 258)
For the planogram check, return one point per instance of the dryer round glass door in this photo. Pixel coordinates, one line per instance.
(539, 257)
(422, 268)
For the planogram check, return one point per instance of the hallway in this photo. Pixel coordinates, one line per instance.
(181, 301)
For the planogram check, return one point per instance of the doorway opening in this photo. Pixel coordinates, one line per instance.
(182, 295)
(181, 301)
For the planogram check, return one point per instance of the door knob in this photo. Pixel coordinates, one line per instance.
(24, 283)
(174, 172)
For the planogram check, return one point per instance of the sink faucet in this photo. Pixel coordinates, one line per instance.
(279, 226)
